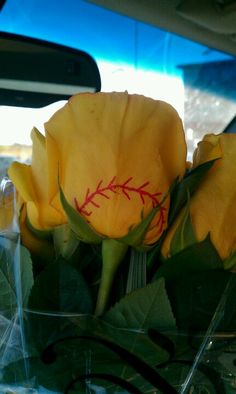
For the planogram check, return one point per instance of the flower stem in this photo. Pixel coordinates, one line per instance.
(113, 253)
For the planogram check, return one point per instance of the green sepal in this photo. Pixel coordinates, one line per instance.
(230, 261)
(184, 188)
(40, 234)
(200, 256)
(136, 235)
(65, 241)
(78, 224)
(184, 235)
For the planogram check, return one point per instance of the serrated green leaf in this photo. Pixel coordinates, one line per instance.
(145, 308)
(105, 360)
(142, 309)
(186, 187)
(78, 224)
(199, 256)
(184, 235)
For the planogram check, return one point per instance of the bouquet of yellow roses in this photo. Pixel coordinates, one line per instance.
(117, 256)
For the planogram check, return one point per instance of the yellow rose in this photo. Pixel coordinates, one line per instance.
(31, 182)
(116, 155)
(212, 206)
(38, 246)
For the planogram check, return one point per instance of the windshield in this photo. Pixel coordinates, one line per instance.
(198, 81)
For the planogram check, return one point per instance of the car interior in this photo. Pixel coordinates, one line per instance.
(210, 22)
(62, 72)
(180, 51)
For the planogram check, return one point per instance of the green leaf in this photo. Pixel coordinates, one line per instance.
(16, 276)
(186, 187)
(7, 284)
(60, 288)
(194, 299)
(197, 257)
(65, 241)
(78, 224)
(184, 235)
(77, 356)
(27, 279)
(230, 261)
(145, 308)
(104, 360)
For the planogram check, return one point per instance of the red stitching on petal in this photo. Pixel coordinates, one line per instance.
(81, 209)
(127, 191)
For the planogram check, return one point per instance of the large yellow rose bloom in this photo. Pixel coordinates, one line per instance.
(212, 206)
(116, 156)
(109, 159)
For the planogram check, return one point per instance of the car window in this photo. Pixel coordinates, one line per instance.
(198, 81)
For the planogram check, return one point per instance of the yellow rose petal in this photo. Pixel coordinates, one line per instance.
(21, 176)
(212, 206)
(116, 155)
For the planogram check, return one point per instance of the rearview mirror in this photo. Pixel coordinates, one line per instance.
(36, 73)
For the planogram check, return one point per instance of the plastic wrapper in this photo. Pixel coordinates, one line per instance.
(43, 352)
(12, 339)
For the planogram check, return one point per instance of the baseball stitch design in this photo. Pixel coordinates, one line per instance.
(126, 189)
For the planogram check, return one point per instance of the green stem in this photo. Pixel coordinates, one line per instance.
(113, 253)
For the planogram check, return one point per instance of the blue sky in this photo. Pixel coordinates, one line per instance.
(102, 33)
